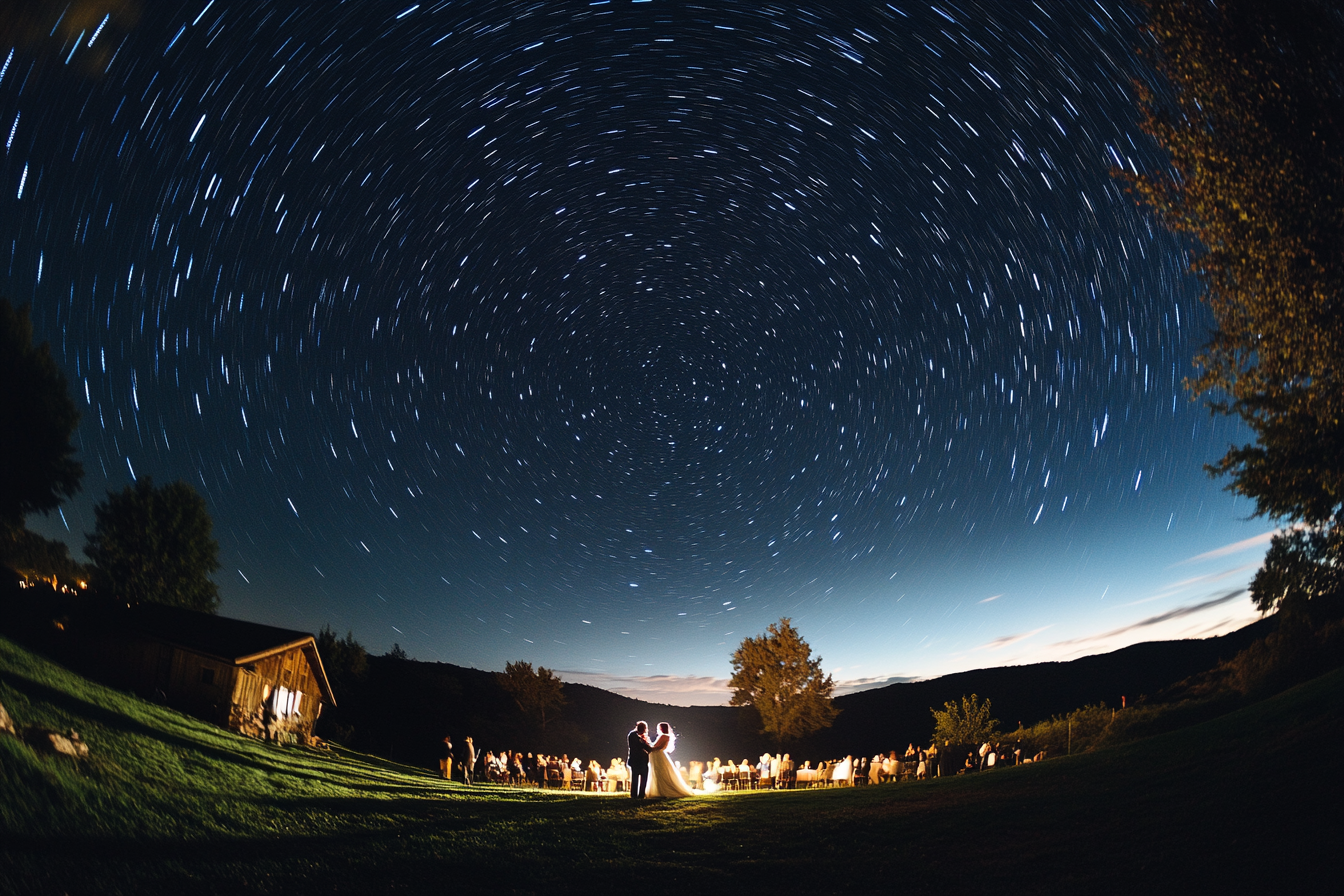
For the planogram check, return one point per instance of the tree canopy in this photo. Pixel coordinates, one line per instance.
(37, 420)
(539, 695)
(345, 660)
(155, 545)
(33, 556)
(1249, 107)
(777, 674)
(964, 723)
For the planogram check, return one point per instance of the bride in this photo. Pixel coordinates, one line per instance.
(664, 779)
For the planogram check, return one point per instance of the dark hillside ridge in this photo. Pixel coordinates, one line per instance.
(891, 717)
(413, 705)
(403, 709)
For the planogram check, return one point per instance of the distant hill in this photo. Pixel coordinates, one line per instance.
(404, 708)
(166, 803)
(411, 705)
(894, 716)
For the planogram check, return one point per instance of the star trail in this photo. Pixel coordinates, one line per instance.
(603, 334)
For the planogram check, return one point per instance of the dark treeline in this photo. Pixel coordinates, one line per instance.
(402, 709)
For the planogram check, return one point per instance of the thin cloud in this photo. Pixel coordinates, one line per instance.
(1177, 587)
(1000, 643)
(1177, 613)
(1235, 548)
(993, 597)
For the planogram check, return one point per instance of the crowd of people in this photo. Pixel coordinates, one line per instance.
(770, 771)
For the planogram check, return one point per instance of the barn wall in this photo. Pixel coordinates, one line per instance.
(290, 670)
(232, 696)
(200, 685)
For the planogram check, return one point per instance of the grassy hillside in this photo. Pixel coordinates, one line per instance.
(405, 708)
(1242, 803)
(402, 709)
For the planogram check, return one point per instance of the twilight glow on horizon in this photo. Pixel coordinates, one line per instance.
(603, 334)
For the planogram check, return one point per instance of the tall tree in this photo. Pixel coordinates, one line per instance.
(777, 674)
(967, 723)
(37, 420)
(155, 545)
(345, 660)
(539, 695)
(1249, 107)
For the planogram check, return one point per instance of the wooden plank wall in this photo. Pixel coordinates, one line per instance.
(233, 698)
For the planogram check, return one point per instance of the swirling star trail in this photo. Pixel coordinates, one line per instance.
(603, 334)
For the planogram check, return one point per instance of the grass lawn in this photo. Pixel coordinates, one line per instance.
(1243, 803)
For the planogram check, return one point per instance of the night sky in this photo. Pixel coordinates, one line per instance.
(601, 335)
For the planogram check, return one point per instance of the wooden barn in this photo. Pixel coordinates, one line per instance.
(251, 678)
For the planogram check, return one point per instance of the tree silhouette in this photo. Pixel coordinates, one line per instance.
(538, 695)
(345, 660)
(776, 674)
(37, 419)
(967, 723)
(1250, 110)
(155, 545)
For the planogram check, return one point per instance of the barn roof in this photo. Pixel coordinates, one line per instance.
(234, 641)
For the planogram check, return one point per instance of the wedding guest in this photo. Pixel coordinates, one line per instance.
(617, 775)
(446, 759)
(468, 761)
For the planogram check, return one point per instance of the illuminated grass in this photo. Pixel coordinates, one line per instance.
(169, 802)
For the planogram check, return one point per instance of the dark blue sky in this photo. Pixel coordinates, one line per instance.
(603, 334)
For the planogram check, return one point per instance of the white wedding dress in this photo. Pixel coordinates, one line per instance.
(664, 779)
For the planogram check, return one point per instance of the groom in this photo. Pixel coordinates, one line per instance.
(638, 759)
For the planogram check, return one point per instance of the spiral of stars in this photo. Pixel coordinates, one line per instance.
(595, 332)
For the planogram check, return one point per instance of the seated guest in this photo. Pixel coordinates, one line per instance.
(617, 776)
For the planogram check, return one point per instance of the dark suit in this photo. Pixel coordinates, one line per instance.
(637, 760)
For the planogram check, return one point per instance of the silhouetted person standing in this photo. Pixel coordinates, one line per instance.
(637, 759)
(468, 761)
(446, 759)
